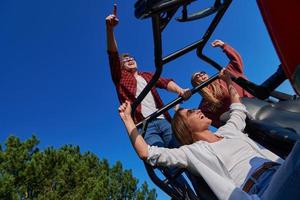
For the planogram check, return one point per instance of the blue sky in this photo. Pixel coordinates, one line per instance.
(55, 80)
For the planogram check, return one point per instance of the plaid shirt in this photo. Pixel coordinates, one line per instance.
(126, 85)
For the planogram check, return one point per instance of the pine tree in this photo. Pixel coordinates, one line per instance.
(64, 173)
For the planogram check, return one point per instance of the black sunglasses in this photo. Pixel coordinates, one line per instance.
(127, 59)
(199, 74)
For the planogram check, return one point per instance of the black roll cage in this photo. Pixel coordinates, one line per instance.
(159, 22)
(161, 16)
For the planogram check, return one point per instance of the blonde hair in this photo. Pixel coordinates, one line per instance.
(181, 129)
(211, 93)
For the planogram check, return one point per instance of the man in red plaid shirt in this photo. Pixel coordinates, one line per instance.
(129, 84)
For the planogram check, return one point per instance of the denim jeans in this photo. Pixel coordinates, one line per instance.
(159, 133)
(285, 183)
(261, 184)
(280, 182)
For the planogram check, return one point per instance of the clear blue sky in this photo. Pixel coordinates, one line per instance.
(55, 80)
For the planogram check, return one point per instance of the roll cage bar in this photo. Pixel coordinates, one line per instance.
(161, 12)
(161, 15)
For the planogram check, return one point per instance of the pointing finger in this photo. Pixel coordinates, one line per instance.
(115, 9)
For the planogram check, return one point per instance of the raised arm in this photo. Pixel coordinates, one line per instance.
(235, 64)
(173, 87)
(234, 96)
(112, 49)
(111, 22)
(237, 110)
(152, 155)
(137, 141)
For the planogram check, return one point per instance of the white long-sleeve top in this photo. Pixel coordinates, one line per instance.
(210, 160)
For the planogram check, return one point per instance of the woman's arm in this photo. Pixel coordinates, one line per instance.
(235, 64)
(137, 141)
(234, 96)
(151, 154)
(237, 109)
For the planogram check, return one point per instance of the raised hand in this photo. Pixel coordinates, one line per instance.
(225, 75)
(115, 9)
(111, 21)
(125, 111)
(217, 43)
(185, 93)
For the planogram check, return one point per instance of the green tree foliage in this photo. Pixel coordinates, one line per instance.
(64, 173)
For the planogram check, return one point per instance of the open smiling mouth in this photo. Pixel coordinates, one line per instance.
(130, 64)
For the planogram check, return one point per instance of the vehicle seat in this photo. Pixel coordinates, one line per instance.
(274, 125)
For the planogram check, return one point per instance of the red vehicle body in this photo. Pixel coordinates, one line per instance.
(283, 23)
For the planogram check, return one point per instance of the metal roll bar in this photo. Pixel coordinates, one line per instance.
(158, 24)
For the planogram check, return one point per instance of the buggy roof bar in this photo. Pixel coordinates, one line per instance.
(159, 22)
(145, 9)
(200, 14)
(148, 8)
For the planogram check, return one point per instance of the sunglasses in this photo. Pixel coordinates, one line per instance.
(199, 74)
(127, 59)
(191, 111)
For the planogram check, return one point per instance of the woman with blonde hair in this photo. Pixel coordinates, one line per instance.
(215, 98)
(233, 166)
